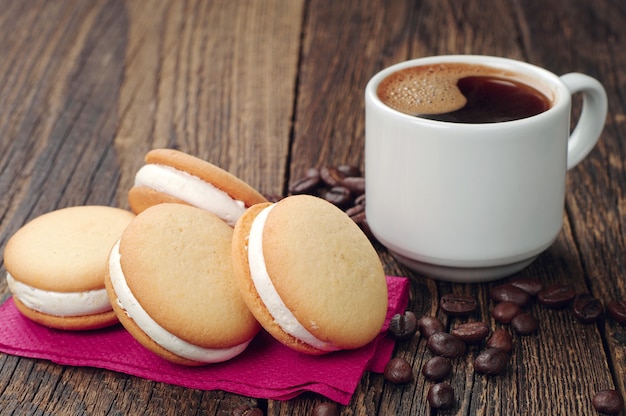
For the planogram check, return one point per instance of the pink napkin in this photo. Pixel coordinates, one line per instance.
(266, 369)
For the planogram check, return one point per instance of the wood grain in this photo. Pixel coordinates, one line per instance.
(267, 90)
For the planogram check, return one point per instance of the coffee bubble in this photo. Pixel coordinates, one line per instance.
(429, 89)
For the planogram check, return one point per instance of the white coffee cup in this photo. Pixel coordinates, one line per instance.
(475, 202)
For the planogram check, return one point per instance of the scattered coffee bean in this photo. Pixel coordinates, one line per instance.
(556, 296)
(338, 195)
(586, 308)
(429, 325)
(508, 293)
(609, 402)
(437, 368)
(441, 396)
(446, 345)
(527, 284)
(356, 185)
(491, 361)
(359, 200)
(355, 210)
(617, 310)
(403, 326)
(349, 171)
(331, 176)
(398, 371)
(245, 410)
(505, 311)
(524, 323)
(500, 339)
(458, 304)
(471, 332)
(307, 183)
(325, 409)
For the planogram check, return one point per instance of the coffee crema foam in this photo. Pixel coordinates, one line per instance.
(430, 89)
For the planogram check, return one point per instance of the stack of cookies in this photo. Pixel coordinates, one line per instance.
(201, 265)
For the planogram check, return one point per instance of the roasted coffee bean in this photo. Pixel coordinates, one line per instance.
(437, 368)
(586, 308)
(403, 326)
(441, 396)
(491, 361)
(500, 339)
(458, 304)
(617, 310)
(349, 171)
(245, 410)
(338, 195)
(354, 184)
(527, 284)
(304, 185)
(398, 371)
(355, 210)
(331, 176)
(429, 325)
(609, 402)
(505, 311)
(524, 323)
(471, 332)
(509, 293)
(446, 345)
(359, 200)
(556, 296)
(325, 409)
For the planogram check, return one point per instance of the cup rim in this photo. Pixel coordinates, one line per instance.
(557, 91)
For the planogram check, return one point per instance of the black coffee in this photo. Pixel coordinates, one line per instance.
(461, 93)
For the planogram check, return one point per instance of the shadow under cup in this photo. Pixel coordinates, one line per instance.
(470, 202)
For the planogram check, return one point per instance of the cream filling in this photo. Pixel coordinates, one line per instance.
(60, 303)
(267, 292)
(190, 189)
(127, 301)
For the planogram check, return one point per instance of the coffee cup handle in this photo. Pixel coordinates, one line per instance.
(592, 117)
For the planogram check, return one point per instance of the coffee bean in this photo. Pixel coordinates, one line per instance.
(305, 185)
(586, 308)
(609, 402)
(245, 410)
(505, 311)
(437, 368)
(338, 195)
(509, 293)
(491, 361)
(556, 296)
(500, 339)
(398, 371)
(617, 310)
(331, 176)
(325, 409)
(441, 396)
(403, 326)
(524, 323)
(446, 345)
(359, 200)
(349, 171)
(355, 210)
(458, 304)
(471, 332)
(429, 325)
(527, 284)
(354, 184)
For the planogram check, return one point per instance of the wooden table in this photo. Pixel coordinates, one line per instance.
(267, 89)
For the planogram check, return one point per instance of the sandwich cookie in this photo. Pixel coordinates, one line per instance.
(56, 265)
(309, 275)
(173, 176)
(171, 284)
